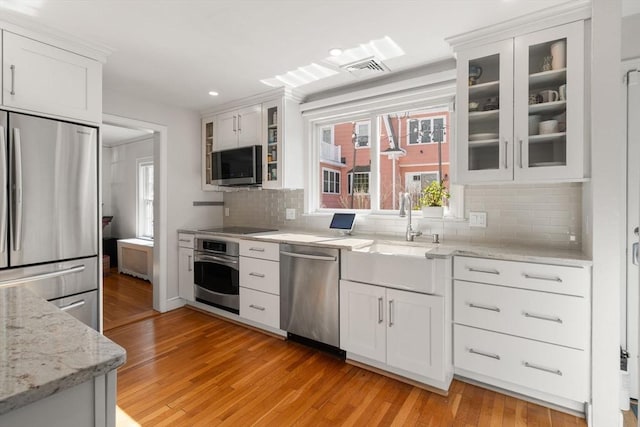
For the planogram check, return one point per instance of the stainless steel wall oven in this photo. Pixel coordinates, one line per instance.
(216, 274)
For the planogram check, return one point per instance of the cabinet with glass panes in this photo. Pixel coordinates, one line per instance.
(521, 108)
(208, 124)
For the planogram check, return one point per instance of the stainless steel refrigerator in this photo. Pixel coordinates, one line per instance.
(49, 211)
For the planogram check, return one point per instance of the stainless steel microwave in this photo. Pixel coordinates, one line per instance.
(237, 166)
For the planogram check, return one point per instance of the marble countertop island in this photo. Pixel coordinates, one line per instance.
(44, 350)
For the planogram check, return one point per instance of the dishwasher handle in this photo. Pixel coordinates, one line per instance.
(306, 256)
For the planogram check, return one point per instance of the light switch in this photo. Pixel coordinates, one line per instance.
(290, 213)
(478, 219)
(226, 211)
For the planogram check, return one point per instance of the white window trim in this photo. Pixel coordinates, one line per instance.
(431, 119)
(350, 178)
(141, 162)
(413, 94)
(368, 123)
(338, 173)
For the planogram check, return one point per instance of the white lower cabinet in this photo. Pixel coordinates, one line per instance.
(185, 266)
(260, 307)
(404, 331)
(524, 327)
(260, 283)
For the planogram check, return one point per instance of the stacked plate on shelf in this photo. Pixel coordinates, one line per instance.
(482, 136)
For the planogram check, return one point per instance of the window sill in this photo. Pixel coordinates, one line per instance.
(391, 216)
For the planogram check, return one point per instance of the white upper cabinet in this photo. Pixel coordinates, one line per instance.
(521, 108)
(41, 78)
(238, 128)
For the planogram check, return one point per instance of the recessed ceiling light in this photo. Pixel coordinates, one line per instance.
(336, 51)
(213, 93)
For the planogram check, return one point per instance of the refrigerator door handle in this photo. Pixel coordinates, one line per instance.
(3, 188)
(17, 190)
(43, 276)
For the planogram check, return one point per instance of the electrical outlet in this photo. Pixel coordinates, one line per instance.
(478, 219)
(226, 211)
(290, 214)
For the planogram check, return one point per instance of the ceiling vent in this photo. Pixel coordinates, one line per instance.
(366, 67)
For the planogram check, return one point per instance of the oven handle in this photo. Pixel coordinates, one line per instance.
(200, 257)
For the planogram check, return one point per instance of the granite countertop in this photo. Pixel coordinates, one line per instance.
(358, 241)
(44, 350)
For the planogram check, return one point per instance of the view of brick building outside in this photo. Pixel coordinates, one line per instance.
(414, 161)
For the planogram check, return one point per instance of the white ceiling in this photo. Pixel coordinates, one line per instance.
(117, 135)
(176, 51)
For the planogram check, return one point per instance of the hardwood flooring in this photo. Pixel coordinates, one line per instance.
(185, 368)
(126, 299)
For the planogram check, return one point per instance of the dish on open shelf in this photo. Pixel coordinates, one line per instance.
(482, 136)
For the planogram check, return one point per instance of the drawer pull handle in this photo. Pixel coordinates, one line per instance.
(257, 307)
(542, 368)
(380, 310)
(480, 270)
(548, 279)
(484, 307)
(482, 353)
(256, 275)
(184, 240)
(542, 317)
(257, 249)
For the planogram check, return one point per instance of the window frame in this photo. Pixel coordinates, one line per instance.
(350, 182)
(141, 201)
(431, 119)
(336, 183)
(368, 124)
(437, 92)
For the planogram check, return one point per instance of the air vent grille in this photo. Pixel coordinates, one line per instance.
(365, 67)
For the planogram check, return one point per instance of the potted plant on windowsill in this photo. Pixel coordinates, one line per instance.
(433, 198)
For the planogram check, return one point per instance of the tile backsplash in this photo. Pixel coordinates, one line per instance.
(531, 214)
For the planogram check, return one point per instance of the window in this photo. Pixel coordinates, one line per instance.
(361, 134)
(330, 181)
(145, 198)
(381, 153)
(358, 181)
(426, 130)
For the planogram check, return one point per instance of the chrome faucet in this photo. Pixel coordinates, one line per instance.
(406, 204)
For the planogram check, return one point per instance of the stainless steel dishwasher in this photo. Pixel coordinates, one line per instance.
(309, 280)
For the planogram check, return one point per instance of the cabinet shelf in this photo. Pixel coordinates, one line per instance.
(483, 90)
(548, 78)
(549, 137)
(484, 143)
(478, 116)
(548, 107)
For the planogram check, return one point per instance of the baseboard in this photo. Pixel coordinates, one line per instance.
(174, 303)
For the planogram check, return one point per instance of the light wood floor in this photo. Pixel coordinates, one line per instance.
(185, 368)
(126, 299)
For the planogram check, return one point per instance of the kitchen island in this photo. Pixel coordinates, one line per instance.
(54, 370)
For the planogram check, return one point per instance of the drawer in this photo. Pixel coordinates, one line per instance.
(549, 368)
(558, 319)
(260, 274)
(185, 240)
(539, 277)
(263, 250)
(260, 307)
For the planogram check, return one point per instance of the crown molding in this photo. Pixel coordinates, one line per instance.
(31, 28)
(564, 13)
(281, 92)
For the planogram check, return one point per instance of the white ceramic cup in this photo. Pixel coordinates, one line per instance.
(559, 55)
(534, 122)
(563, 92)
(549, 95)
(548, 126)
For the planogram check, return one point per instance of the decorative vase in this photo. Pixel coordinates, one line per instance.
(432, 211)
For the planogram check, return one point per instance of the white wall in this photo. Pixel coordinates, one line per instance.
(183, 171)
(631, 36)
(119, 182)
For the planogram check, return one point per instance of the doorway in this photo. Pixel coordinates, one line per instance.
(159, 206)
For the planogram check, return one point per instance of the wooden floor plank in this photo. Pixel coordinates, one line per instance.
(186, 368)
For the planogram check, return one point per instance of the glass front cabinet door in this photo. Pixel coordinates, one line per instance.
(521, 108)
(485, 100)
(549, 104)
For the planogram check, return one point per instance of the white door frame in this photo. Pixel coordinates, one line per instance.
(160, 225)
